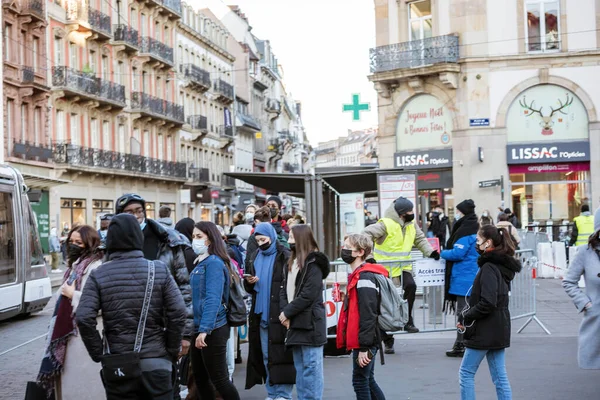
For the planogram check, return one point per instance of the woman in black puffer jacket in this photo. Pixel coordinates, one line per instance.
(303, 312)
(486, 317)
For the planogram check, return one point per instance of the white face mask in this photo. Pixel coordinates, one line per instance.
(199, 246)
(458, 215)
(485, 214)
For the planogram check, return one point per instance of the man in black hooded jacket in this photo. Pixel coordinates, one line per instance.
(117, 289)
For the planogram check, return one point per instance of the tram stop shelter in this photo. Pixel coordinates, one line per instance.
(322, 196)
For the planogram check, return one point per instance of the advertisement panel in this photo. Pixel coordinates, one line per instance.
(352, 213)
(392, 186)
(424, 122)
(535, 153)
(425, 159)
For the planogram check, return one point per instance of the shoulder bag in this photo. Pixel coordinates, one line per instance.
(117, 368)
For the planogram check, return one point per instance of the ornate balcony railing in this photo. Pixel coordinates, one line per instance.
(31, 151)
(225, 132)
(35, 7)
(28, 76)
(196, 75)
(128, 35)
(173, 5)
(200, 175)
(72, 80)
(156, 49)
(70, 154)
(157, 106)
(273, 105)
(82, 12)
(197, 122)
(224, 89)
(417, 53)
(227, 181)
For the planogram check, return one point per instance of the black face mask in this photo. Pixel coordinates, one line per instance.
(74, 252)
(274, 212)
(347, 256)
(292, 246)
(264, 246)
(408, 217)
(479, 250)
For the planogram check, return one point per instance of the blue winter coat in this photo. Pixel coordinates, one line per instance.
(210, 293)
(464, 255)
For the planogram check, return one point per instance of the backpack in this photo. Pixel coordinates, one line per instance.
(393, 309)
(237, 313)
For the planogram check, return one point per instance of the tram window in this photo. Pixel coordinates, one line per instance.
(37, 255)
(8, 267)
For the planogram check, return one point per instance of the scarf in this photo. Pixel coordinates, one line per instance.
(62, 327)
(466, 226)
(263, 265)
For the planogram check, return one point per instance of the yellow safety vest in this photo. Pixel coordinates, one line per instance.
(397, 245)
(585, 228)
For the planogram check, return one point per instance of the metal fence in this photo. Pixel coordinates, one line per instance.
(428, 314)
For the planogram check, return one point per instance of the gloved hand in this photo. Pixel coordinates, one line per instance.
(435, 255)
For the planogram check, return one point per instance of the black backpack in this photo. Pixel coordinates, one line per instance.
(237, 314)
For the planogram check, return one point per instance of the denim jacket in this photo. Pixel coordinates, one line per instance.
(210, 293)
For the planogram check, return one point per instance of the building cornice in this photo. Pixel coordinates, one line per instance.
(195, 35)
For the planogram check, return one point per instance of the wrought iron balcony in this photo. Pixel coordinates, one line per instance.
(88, 18)
(28, 76)
(173, 5)
(127, 36)
(156, 50)
(196, 76)
(36, 8)
(224, 90)
(31, 151)
(198, 175)
(273, 106)
(77, 83)
(79, 156)
(227, 182)
(156, 107)
(417, 53)
(197, 122)
(225, 132)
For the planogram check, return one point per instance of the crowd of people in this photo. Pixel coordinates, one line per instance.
(155, 302)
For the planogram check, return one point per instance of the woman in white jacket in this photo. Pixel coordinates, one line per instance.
(67, 369)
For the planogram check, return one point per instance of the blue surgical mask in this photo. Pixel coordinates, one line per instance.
(199, 246)
(103, 234)
(143, 224)
(249, 216)
(458, 216)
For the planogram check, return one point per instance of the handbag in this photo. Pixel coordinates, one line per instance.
(117, 368)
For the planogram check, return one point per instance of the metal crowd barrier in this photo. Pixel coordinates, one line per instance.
(428, 314)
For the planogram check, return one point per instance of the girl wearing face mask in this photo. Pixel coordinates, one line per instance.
(210, 281)
(66, 362)
(268, 358)
(487, 317)
(486, 218)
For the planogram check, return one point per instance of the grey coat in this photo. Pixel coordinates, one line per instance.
(586, 263)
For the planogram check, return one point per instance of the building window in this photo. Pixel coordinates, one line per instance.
(121, 138)
(7, 42)
(146, 143)
(73, 54)
(101, 207)
(105, 69)
(106, 135)
(542, 28)
(92, 61)
(7, 238)
(169, 147)
(134, 78)
(22, 47)
(36, 52)
(74, 128)
(10, 106)
(58, 51)
(72, 212)
(120, 72)
(23, 122)
(419, 19)
(37, 120)
(60, 126)
(94, 134)
(161, 147)
(150, 210)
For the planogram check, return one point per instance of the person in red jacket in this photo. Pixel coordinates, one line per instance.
(358, 329)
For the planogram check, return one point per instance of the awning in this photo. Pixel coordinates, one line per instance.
(247, 121)
(272, 182)
(34, 181)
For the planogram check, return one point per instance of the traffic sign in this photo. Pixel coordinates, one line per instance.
(490, 183)
(356, 107)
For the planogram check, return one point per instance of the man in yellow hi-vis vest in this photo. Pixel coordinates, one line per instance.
(583, 227)
(394, 236)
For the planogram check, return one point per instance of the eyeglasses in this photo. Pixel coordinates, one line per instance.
(137, 211)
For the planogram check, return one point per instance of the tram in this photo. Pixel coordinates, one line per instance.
(24, 283)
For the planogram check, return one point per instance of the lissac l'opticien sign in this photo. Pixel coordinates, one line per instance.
(424, 159)
(559, 152)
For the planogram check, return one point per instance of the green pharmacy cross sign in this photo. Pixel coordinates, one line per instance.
(356, 107)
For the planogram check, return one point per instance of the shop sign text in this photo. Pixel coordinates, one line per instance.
(424, 159)
(424, 122)
(534, 153)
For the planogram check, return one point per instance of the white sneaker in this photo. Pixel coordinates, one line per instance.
(57, 271)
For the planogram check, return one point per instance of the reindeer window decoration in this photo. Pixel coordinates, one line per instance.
(547, 122)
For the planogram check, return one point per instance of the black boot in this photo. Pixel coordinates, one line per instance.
(388, 344)
(457, 351)
(411, 328)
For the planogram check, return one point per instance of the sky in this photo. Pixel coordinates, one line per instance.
(323, 48)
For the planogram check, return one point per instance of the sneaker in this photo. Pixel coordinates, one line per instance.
(410, 328)
(57, 271)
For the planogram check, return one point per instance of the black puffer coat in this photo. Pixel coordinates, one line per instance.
(308, 322)
(281, 359)
(171, 251)
(488, 303)
(117, 289)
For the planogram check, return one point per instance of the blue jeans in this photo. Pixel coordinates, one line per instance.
(469, 366)
(308, 361)
(363, 379)
(273, 391)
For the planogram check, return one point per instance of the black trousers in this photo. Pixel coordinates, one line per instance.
(210, 366)
(410, 291)
(152, 385)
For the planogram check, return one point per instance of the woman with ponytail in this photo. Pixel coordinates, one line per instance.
(486, 325)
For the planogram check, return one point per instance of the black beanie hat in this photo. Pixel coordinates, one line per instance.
(124, 234)
(466, 207)
(276, 199)
(402, 205)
